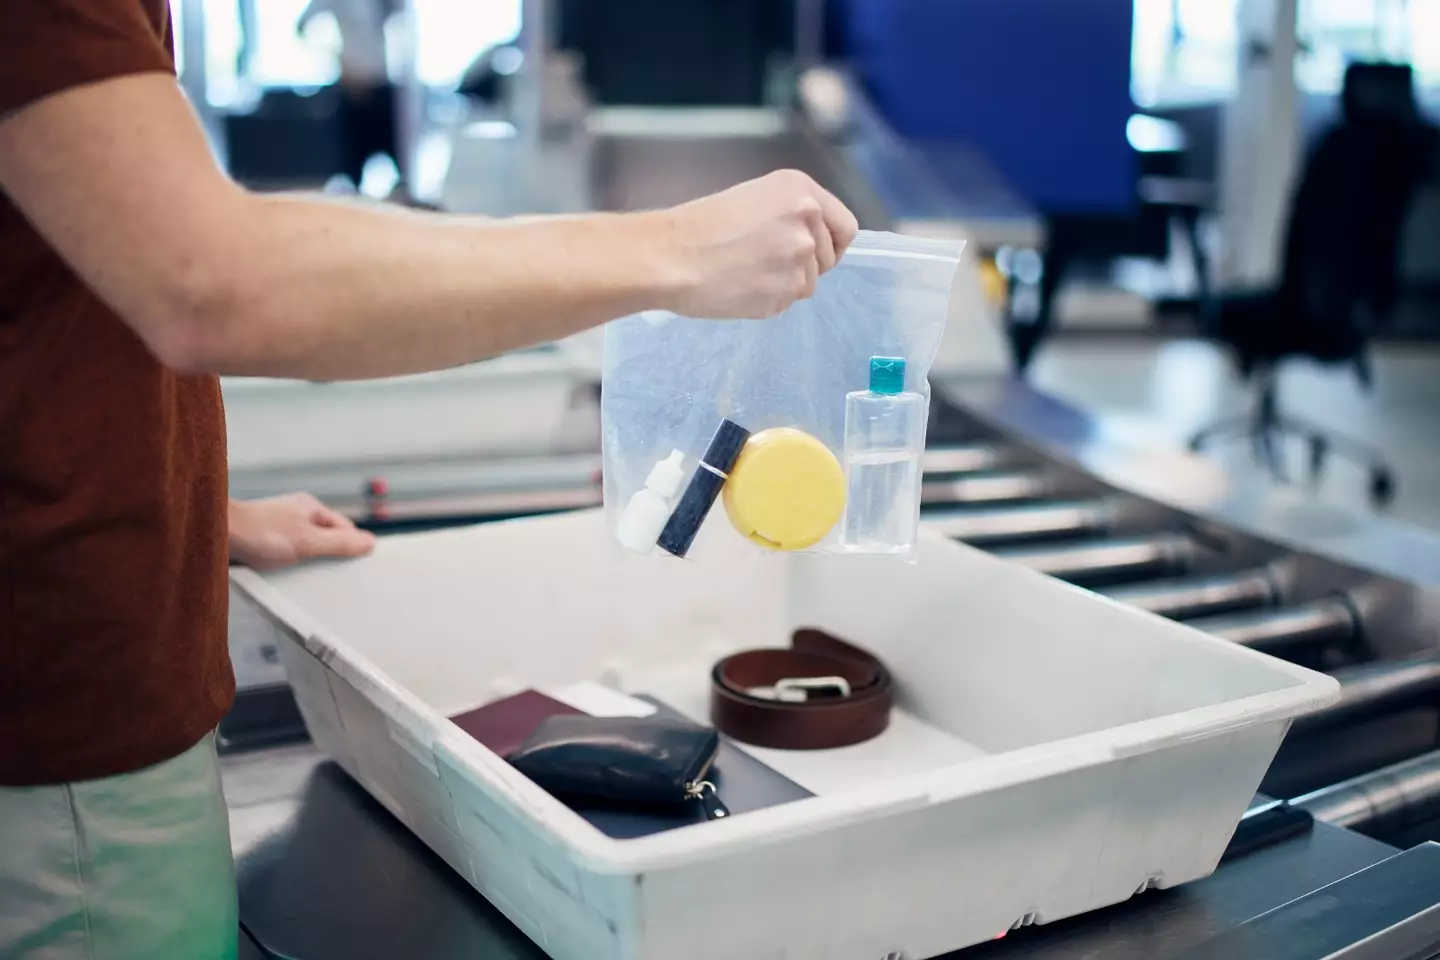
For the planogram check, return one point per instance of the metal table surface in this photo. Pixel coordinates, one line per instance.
(325, 872)
(1179, 479)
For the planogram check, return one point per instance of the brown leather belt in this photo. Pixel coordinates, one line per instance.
(819, 693)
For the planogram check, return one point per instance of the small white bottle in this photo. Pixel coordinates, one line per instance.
(645, 515)
(884, 445)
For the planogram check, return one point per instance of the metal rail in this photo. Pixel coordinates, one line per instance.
(1202, 596)
(1015, 524)
(987, 488)
(962, 458)
(1320, 623)
(1374, 690)
(1108, 560)
(1391, 799)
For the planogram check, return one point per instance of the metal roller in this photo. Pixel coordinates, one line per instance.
(1306, 763)
(962, 458)
(1388, 800)
(1109, 560)
(1200, 596)
(1018, 523)
(1377, 689)
(1319, 623)
(987, 488)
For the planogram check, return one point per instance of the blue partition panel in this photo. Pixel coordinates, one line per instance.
(1042, 87)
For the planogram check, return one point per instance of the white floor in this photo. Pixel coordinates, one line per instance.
(1168, 389)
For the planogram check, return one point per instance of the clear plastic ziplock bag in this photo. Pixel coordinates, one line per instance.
(804, 431)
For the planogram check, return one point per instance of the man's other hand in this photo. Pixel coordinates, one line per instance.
(753, 250)
(281, 531)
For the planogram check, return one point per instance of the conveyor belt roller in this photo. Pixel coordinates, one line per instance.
(1108, 561)
(1017, 524)
(1202, 596)
(1321, 623)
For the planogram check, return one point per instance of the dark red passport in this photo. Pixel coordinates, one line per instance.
(742, 781)
(505, 724)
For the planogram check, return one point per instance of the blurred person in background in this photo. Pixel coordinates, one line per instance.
(367, 120)
(133, 272)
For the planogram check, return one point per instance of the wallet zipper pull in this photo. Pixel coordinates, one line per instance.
(710, 802)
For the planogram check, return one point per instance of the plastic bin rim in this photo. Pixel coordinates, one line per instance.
(687, 846)
(599, 854)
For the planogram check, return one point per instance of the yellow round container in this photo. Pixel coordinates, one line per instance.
(786, 491)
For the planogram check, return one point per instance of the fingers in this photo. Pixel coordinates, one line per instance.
(346, 541)
(832, 224)
(755, 249)
(333, 534)
(809, 279)
(839, 222)
(825, 254)
(323, 516)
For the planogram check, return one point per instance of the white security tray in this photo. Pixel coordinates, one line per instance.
(1052, 752)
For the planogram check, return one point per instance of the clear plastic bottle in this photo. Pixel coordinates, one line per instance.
(644, 516)
(884, 444)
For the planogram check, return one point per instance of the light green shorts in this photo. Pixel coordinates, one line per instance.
(135, 867)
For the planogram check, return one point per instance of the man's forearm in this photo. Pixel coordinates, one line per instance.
(119, 179)
(323, 290)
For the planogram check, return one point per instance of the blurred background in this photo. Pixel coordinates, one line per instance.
(1122, 170)
(1193, 349)
(1206, 224)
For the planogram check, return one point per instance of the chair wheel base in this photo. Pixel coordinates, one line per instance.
(1268, 434)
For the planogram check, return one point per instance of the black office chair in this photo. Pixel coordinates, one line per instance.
(1165, 194)
(1340, 274)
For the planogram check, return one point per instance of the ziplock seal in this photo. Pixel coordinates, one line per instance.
(869, 244)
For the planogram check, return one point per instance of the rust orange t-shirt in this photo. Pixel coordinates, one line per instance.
(112, 471)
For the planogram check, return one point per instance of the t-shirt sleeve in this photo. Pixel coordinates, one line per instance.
(47, 46)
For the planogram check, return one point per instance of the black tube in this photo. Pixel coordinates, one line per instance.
(962, 458)
(1021, 523)
(1201, 596)
(1316, 624)
(699, 496)
(1375, 690)
(1108, 561)
(986, 488)
(1387, 800)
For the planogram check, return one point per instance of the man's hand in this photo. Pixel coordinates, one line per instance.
(266, 534)
(755, 249)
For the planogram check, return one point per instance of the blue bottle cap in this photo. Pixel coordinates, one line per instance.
(887, 375)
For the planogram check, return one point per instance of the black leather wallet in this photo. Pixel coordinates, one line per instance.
(623, 760)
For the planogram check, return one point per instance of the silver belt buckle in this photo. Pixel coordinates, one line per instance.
(800, 689)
